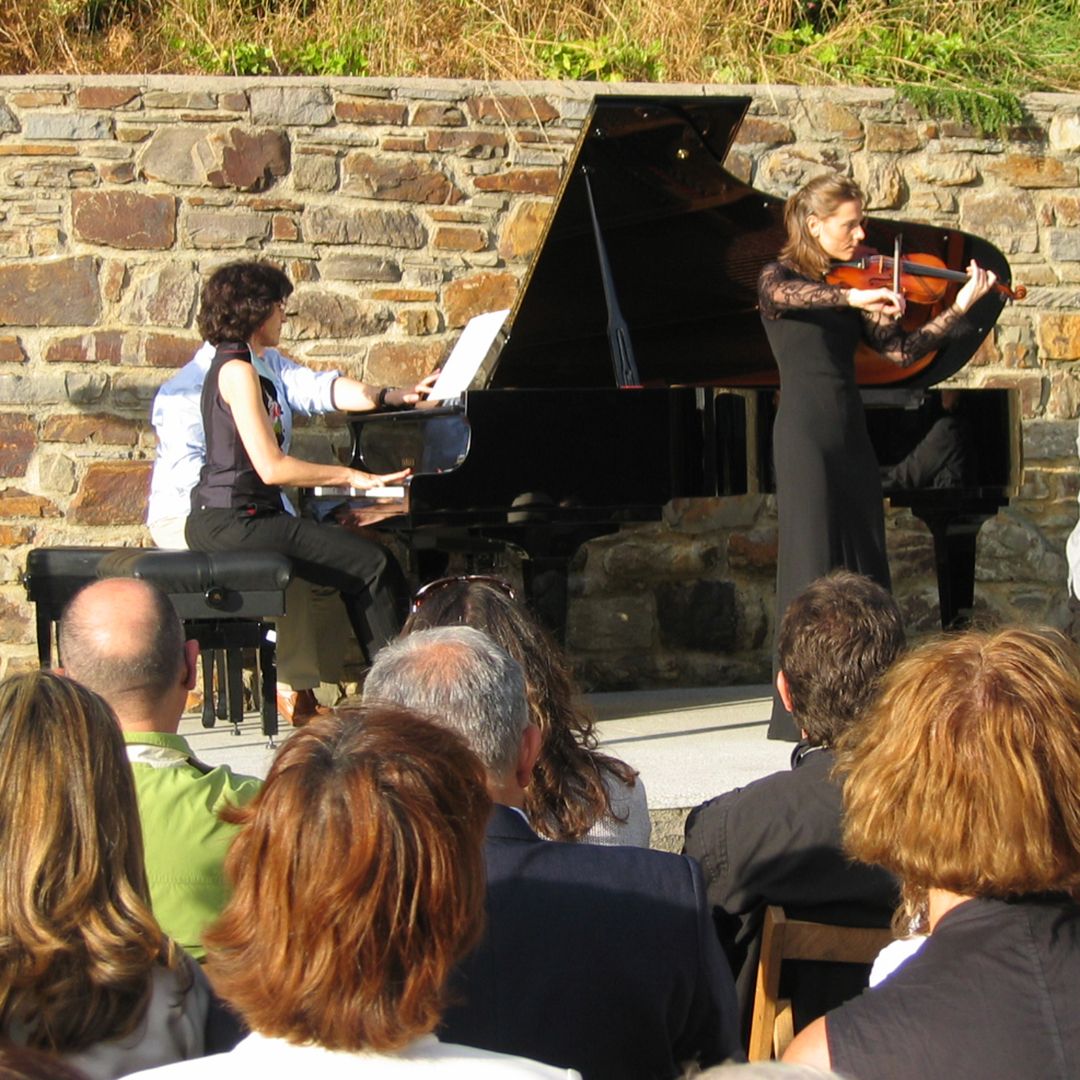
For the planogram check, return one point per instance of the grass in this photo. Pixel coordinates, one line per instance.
(971, 58)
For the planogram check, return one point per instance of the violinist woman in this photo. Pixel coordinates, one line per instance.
(829, 497)
(237, 503)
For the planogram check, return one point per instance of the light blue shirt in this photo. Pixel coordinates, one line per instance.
(177, 419)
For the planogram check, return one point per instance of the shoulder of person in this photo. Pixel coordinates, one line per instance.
(734, 817)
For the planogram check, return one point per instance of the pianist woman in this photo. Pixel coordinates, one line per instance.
(237, 502)
(829, 496)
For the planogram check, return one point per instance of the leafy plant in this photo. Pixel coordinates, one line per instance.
(601, 60)
(991, 111)
(347, 57)
(941, 73)
(249, 58)
(239, 58)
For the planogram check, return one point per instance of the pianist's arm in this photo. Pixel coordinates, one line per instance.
(352, 395)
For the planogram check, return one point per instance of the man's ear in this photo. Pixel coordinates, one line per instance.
(191, 663)
(528, 752)
(784, 690)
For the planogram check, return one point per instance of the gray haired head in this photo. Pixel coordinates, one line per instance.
(458, 676)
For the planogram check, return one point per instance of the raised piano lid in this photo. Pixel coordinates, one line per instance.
(686, 241)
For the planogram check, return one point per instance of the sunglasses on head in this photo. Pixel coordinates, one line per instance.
(425, 592)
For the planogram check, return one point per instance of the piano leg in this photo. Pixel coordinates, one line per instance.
(545, 579)
(545, 567)
(955, 534)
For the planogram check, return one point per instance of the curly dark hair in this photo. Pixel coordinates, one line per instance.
(239, 298)
(568, 793)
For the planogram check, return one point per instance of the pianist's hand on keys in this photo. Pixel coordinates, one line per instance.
(381, 495)
(361, 517)
(362, 482)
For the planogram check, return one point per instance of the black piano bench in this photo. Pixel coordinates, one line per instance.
(223, 598)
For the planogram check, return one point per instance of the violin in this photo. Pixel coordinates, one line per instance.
(921, 278)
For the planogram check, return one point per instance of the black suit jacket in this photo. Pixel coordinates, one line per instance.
(778, 841)
(601, 959)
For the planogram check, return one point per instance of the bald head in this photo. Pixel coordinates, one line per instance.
(122, 638)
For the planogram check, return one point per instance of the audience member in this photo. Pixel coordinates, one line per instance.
(576, 793)
(778, 840)
(762, 1070)
(601, 959)
(87, 973)
(26, 1063)
(122, 638)
(963, 781)
(358, 884)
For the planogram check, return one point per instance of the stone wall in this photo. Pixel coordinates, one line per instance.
(402, 208)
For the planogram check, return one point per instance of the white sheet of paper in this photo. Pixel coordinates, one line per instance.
(467, 355)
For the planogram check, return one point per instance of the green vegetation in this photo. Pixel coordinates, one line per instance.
(600, 61)
(967, 58)
(348, 57)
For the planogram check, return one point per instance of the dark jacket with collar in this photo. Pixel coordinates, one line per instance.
(778, 841)
(600, 959)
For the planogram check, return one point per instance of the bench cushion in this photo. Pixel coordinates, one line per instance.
(201, 585)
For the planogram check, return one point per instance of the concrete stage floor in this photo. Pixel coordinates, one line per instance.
(687, 745)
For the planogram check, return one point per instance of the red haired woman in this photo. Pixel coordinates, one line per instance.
(359, 884)
(963, 782)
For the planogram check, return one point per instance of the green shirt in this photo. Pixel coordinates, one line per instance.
(184, 840)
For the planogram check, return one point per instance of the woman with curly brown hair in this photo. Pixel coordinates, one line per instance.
(238, 502)
(85, 971)
(577, 793)
(359, 884)
(963, 782)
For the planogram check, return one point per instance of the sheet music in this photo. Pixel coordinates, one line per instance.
(467, 355)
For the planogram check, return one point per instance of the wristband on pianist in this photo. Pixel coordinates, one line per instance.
(382, 403)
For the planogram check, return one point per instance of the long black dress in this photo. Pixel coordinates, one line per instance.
(828, 488)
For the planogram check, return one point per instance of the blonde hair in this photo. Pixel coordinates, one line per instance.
(78, 943)
(820, 198)
(964, 775)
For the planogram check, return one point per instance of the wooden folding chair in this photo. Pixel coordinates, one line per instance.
(772, 1026)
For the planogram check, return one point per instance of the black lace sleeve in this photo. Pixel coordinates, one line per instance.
(887, 337)
(781, 289)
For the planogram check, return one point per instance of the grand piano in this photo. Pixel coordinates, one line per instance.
(633, 368)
